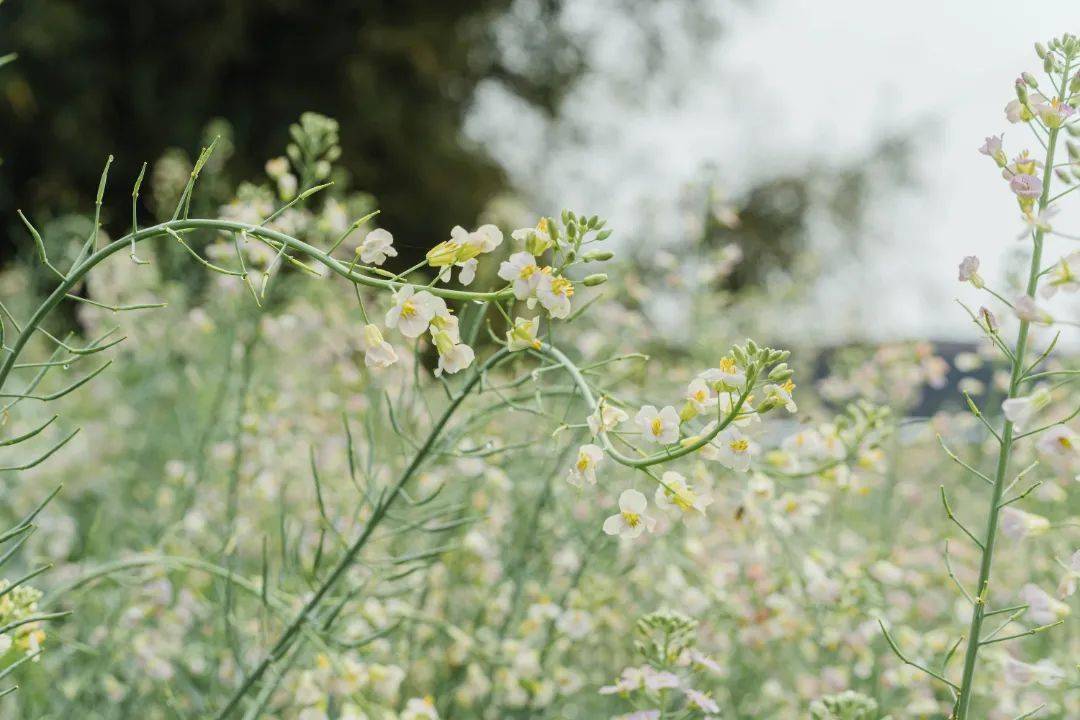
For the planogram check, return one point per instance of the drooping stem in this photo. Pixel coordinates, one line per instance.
(978, 612)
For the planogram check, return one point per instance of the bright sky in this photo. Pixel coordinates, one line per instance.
(795, 80)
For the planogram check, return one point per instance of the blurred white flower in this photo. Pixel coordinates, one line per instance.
(376, 247)
(631, 519)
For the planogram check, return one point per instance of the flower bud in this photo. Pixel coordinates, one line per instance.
(443, 254)
(594, 280)
(781, 373)
(1030, 80)
(751, 347)
(597, 255)
(1021, 91)
(1040, 50)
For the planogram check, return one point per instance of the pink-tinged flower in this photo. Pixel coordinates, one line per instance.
(1025, 308)
(1053, 113)
(1025, 186)
(663, 680)
(1059, 441)
(701, 701)
(632, 678)
(988, 320)
(1017, 524)
(1042, 608)
(992, 148)
(1067, 588)
(969, 271)
(1044, 672)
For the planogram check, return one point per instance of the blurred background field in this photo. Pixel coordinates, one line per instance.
(804, 173)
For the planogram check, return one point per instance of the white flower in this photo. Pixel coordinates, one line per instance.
(523, 335)
(486, 238)
(969, 271)
(574, 623)
(412, 311)
(554, 294)
(631, 519)
(377, 352)
(1059, 441)
(458, 357)
(1025, 308)
(1042, 608)
(420, 709)
(1035, 222)
(1020, 411)
(1062, 276)
(992, 148)
(536, 240)
(731, 449)
(699, 395)
(658, 427)
(377, 246)
(523, 272)
(675, 495)
(584, 469)
(1018, 524)
(606, 417)
(726, 377)
(1044, 672)
(468, 271)
(781, 395)
(1067, 588)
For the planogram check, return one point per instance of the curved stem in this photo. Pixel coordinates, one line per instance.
(656, 458)
(76, 273)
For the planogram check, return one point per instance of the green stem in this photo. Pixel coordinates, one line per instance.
(963, 701)
(284, 640)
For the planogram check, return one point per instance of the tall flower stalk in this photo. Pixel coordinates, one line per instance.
(1049, 115)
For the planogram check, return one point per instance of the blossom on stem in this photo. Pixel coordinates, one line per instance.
(1033, 222)
(554, 294)
(728, 376)
(631, 519)
(376, 247)
(1025, 308)
(1062, 276)
(1021, 410)
(731, 449)
(606, 417)
(1059, 441)
(1043, 609)
(674, 494)
(969, 271)
(412, 311)
(1017, 524)
(377, 352)
(658, 426)
(1022, 674)
(522, 271)
(523, 335)
(584, 469)
(992, 148)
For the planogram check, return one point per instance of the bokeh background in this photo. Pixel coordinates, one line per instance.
(844, 128)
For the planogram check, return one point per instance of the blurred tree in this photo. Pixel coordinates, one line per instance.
(96, 77)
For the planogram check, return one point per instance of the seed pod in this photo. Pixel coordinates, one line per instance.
(594, 280)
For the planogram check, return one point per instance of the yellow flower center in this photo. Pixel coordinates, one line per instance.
(740, 445)
(632, 518)
(562, 286)
(728, 365)
(657, 426)
(1065, 442)
(701, 395)
(527, 272)
(408, 309)
(583, 462)
(789, 387)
